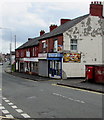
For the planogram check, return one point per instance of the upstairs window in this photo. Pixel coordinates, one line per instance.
(55, 45)
(44, 46)
(33, 52)
(73, 44)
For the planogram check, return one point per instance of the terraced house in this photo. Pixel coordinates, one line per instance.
(65, 50)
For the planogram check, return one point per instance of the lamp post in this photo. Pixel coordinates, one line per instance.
(10, 45)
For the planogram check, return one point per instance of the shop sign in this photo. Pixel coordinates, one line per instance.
(72, 57)
(31, 59)
(54, 55)
(60, 48)
(42, 55)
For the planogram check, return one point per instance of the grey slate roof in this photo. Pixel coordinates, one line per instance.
(57, 31)
(64, 27)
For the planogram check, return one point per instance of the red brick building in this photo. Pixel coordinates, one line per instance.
(63, 51)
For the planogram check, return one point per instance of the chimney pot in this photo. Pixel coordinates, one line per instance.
(42, 32)
(62, 21)
(52, 27)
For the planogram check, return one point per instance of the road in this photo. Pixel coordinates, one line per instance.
(23, 98)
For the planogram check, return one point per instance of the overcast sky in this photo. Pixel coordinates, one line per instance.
(26, 18)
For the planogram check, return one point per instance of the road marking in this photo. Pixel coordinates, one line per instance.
(14, 106)
(25, 115)
(7, 101)
(78, 89)
(1, 117)
(1, 107)
(9, 116)
(4, 98)
(68, 98)
(19, 110)
(5, 111)
(10, 103)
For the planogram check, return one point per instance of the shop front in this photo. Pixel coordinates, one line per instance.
(54, 65)
(43, 64)
(31, 65)
(50, 65)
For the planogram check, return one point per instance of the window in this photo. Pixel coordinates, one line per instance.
(73, 44)
(55, 45)
(44, 45)
(33, 52)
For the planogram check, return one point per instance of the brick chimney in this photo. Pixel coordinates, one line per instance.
(42, 32)
(96, 9)
(62, 21)
(52, 27)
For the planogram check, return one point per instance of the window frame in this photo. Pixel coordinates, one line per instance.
(73, 44)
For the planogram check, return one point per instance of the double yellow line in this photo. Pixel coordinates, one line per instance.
(1, 117)
(79, 89)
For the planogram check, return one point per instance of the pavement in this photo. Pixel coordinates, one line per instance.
(75, 83)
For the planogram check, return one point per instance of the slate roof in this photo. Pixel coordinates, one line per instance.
(57, 31)
(64, 27)
(32, 42)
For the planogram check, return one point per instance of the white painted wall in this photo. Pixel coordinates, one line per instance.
(88, 33)
(103, 8)
(103, 41)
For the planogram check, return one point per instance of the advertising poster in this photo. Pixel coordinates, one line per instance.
(60, 48)
(72, 57)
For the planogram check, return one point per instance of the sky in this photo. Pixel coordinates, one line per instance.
(26, 18)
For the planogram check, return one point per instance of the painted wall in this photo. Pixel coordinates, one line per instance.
(89, 35)
(103, 40)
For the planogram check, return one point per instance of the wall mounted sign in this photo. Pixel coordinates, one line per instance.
(31, 59)
(42, 55)
(55, 55)
(72, 57)
(60, 48)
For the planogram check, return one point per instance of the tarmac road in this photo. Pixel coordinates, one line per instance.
(23, 98)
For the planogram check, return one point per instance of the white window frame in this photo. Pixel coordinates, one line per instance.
(72, 44)
(55, 45)
(33, 51)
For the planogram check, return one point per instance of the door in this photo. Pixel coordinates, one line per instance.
(55, 68)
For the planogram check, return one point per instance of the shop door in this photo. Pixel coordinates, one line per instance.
(21, 67)
(55, 69)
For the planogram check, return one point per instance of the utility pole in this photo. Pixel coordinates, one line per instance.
(10, 58)
(15, 53)
(15, 41)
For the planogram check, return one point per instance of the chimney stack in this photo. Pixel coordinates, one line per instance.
(96, 9)
(52, 27)
(62, 21)
(42, 32)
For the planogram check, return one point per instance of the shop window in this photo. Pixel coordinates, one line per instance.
(73, 44)
(35, 66)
